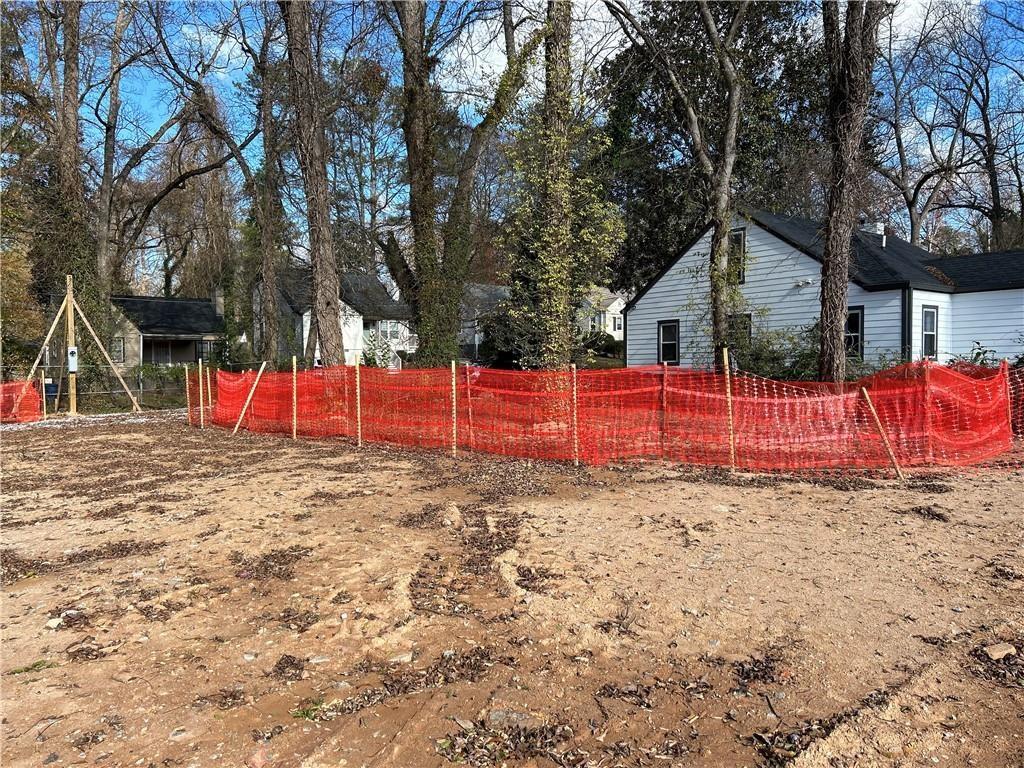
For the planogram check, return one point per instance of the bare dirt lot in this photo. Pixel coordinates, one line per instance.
(183, 598)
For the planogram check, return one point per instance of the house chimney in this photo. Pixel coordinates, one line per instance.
(218, 301)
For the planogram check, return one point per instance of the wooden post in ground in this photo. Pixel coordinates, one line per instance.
(249, 398)
(209, 393)
(1005, 365)
(106, 356)
(359, 410)
(664, 408)
(575, 421)
(469, 407)
(70, 317)
(188, 397)
(42, 391)
(295, 398)
(929, 449)
(455, 418)
(202, 420)
(882, 434)
(728, 405)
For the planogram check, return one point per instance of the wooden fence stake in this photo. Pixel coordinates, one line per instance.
(1005, 365)
(455, 419)
(103, 351)
(469, 406)
(359, 410)
(188, 397)
(664, 408)
(202, 421)
(575, 421)
(295, 398)
(929, 448)
(728, 405)
(70, 340)
(42, 391)
(209, 393)
(249, 398)
(881, 433)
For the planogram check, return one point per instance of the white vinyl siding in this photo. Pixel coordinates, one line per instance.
(944, 340)
(781, 290)
(994, 318)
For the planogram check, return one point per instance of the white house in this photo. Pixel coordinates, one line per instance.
(903, 302)
(372, 322)
(601, 312)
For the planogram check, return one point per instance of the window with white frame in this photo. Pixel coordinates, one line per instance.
(668, 342)
(117, 350)
(617, 322)
(929, 331)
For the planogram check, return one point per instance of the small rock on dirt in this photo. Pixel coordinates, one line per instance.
(1000, 651)
(402, 658)
(451, 517)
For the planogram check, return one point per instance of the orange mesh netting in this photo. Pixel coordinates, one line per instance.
(930, 414)
(28, 408)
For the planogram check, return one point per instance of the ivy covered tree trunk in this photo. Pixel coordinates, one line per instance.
(433, 276)
(69, 171)
(562, 230)
(851, 55)
(266, 209)
(554, 244)
(311, 140)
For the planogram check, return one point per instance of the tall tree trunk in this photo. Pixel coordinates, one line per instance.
(555, 256)
(105, 198)
(715, 154)
(69, 171)
(851, 56)
(266, 205)
(433, 279)
(304, 79)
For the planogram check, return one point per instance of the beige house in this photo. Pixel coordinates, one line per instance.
(153, 330)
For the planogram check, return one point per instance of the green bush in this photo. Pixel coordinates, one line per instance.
(792, 355)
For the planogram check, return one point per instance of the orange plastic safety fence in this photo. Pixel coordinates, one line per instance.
(20, 403)
(929, 414)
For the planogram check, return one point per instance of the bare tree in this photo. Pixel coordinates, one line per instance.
(851, 49)
(432, 276)
(265, 190)
(983, 67)
(923, 123)
(305, 94)
(715, 153)
(109, 123)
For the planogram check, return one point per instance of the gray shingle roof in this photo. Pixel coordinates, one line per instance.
(364, 293)
(996, 271)
(896, 265)
(480, 299)
(157, 316)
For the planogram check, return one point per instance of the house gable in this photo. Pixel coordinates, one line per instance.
(780, 291)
